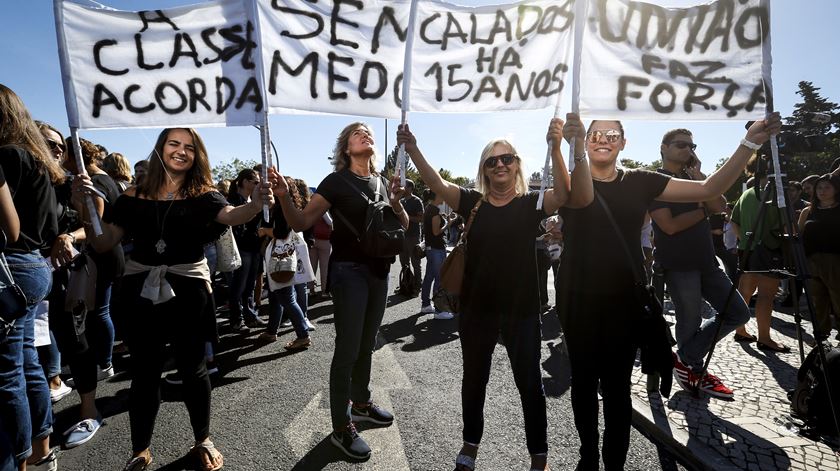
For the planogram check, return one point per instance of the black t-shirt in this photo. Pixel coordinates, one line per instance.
(593, 260)
(822, 231)
(34, 199)
(432, 240)
(500, 277)
(687, 250)
(247, 235)
(110, 264)
(413, 207)
(337, 190)
(185, 226)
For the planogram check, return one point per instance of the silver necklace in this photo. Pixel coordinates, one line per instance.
(160, 246)
(608, 178)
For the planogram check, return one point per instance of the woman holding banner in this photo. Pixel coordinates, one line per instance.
(358, 282)
(170, 216)
(596, 279)
(500, 293)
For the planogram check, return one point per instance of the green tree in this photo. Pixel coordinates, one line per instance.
(412, 173)
(229, 170)
(631, 164)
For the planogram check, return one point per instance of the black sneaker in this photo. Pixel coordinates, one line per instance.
(256, 322)
(349, 441)
(371, 413)
(238, 326)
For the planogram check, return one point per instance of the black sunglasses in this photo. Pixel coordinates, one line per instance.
(683, 145)
(506, 159)
(56, 145)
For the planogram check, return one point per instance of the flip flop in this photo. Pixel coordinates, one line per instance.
(745, 338)
(781, 349)
(138, 463)
(206, 449)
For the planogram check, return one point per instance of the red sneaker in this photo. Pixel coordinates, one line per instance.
(713, 386)
(683, 374)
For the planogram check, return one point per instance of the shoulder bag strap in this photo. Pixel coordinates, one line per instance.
(637, 275)
(473, 212)
(341, 216)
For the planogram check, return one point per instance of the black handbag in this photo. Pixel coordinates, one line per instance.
(648, 303)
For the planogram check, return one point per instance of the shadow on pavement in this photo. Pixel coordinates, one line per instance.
(426, 334)
(322, 455)
(559, 369)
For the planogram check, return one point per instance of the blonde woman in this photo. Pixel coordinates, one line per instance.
(501, 293)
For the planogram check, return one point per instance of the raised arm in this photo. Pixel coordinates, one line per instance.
(558, 195)
(670, 224)
(450, 192)
(803, 218)
(234, 216)
(299, 220)
(684, 191)
(582, 193)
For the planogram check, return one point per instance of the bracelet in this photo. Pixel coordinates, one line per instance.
(580, 159)
(72, 237)
(749, 144)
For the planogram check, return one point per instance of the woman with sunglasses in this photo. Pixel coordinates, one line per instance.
(500, 293)
(595, 283)
(171, 215)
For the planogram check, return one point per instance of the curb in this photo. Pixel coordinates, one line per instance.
(690, 453)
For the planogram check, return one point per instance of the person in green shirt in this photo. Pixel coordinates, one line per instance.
(765, 246)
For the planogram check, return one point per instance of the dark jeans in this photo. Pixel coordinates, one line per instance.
(409, 254)
(284, 302)
(521, 336)
(600, 340)
(25, 407)
(302, 297)
(241, 301)
(178, 322)
(543, 265)
(359, 298)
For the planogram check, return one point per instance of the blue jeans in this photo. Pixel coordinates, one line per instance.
(242, 287)
(101, 333)
(359, 298)
(50, 358)
(284, 300)
(302, 298)
(434, 260)
(695, 335)
(25, 408)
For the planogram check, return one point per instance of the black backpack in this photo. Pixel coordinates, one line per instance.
(810, 400)
(382, 235)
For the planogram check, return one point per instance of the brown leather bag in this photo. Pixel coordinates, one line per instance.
(447, 297)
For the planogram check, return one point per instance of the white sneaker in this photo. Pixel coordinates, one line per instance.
(60, 393)
(444, 315)
(309, 326)
(105, 373)
(427, 309)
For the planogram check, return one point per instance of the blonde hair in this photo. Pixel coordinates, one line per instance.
(17, 128)
(117, 167)
(340, 158)
(482, 181)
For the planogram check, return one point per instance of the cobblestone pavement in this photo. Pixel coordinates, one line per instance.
(752, 431)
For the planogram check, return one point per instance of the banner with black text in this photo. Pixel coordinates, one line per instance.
(644, 61)
(185, 66)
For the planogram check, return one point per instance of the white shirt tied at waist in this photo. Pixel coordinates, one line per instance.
(156, 288)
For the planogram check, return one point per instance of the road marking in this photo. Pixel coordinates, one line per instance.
(313, 423)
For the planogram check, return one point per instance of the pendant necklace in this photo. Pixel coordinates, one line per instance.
(160, 246)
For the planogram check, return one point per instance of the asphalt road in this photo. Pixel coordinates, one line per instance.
(271, 408)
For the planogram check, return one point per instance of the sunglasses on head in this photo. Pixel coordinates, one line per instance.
(683, 145)
(612, 135)
(56, 145)
(506, 159)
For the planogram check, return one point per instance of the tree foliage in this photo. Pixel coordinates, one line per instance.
(229, 170)
(631, 164)
(413, 175)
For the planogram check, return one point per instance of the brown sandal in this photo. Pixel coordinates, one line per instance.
(138, 463)
(299, 344)
(207, 450)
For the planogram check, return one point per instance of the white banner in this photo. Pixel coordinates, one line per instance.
(186, 66)
(343, 56)
(643, 61)
(490, 58)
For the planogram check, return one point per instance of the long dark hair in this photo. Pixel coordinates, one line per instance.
(17, 128)
(244, 174)
(198, 179)
(815, 202)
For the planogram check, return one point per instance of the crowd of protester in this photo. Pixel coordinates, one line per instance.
(149, 283)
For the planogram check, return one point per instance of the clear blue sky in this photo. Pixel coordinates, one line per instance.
(804, 39)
